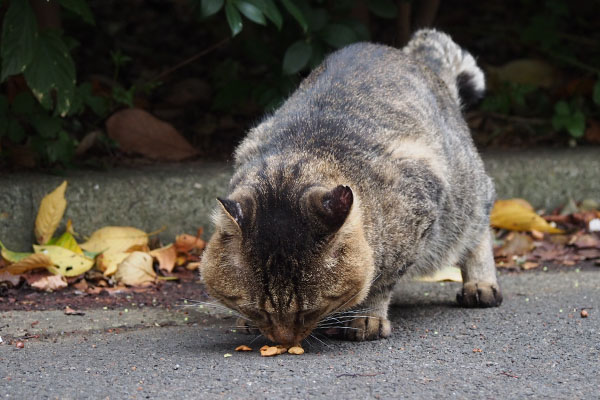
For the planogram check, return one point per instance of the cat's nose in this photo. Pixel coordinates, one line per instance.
(283, 335)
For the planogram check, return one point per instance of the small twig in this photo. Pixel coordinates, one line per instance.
(189, 60)
(507, 374)
(355, 375)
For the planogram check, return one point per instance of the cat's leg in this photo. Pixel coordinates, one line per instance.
(245, 326)
(480, 287)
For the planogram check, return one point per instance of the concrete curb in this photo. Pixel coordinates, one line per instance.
(182, 196)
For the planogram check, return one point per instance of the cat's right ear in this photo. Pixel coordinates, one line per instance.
(233, 210)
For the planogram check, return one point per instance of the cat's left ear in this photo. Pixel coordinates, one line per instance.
(332, 206)
(233, 209)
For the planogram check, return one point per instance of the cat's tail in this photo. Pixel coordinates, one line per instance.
(454, 65)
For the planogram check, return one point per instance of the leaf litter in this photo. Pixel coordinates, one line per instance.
(113, 259)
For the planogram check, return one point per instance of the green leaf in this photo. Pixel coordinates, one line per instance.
(383, 8)
(122, 96)
(234, 19)
(296, 13)
(79, 7)
(19, 37)
(296, 57)
(52, 69)
(46, 125)
(210, 7)
(596, 94)
(269, 8)
(12, 256)
(62, 149)
(23, 104)
(576, 124)
(338, 36)
(318, 19)
(251, 12)
(15, 131)
(98, 104)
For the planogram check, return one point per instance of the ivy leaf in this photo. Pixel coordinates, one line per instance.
(52, 69)
(576, 124)
(573, 121)
(81, 8)
(338, 36)
(383, 8)
(19, 37)
(296, 13)
(210, 7)
(251, 12)
(46, 125)
(296, 57)
(234, 19)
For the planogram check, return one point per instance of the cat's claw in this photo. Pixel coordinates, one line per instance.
(479, 294)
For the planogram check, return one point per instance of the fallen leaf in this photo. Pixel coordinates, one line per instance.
(70, 311)
(50, 283)
(185, 243)
(108, 261)
(115, 239)
(516, 244)
(82, 285)
(243, 348)
(586, 241)
(527, 265)
(516, 216)
(52, 208)
(65, 262)
(525, 71)
(67, 241)
(12, 256)
(6, 276)
(137, 131)
(447, 274)
(192, 266)
(136, 270)
(31, 262)
(166, 257)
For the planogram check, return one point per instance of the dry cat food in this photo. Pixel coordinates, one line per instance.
(270, 351)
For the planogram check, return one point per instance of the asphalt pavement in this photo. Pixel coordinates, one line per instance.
(536, 345)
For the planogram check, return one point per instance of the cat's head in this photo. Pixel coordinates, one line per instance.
(287, 258)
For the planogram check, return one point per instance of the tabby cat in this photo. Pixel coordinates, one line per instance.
(367, 173)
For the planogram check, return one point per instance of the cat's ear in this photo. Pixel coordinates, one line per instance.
(233, 209)
(333, 206)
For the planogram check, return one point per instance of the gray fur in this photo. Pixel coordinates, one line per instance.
(387, 123)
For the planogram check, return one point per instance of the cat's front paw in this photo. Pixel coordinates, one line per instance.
(479, 294)
(363, 328)
(243, 326)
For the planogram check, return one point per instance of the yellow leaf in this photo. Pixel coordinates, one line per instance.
(50, 213)
(31, 262)
(66, 262)
(108, 261)
(166, 257)
(136, 270)
(515, 215)
(67, 241)
(115, 239)
(451, 274)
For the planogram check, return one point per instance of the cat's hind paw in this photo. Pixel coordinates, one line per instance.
(479, 294)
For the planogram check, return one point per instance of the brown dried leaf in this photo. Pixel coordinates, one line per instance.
(137, 131)
(166, 257)
(243, 348)
(516, 245)
(50, 283)
(29, 263)
(6, 276)
(70, 311)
